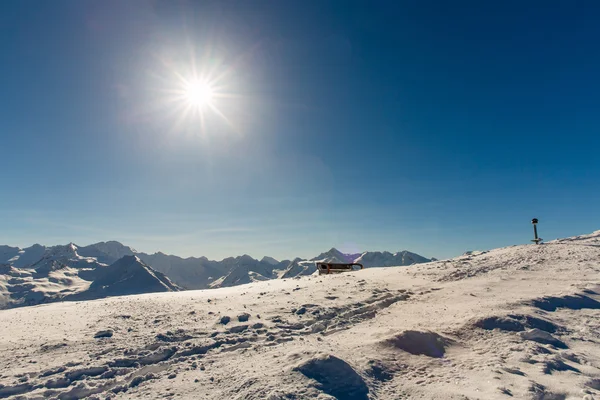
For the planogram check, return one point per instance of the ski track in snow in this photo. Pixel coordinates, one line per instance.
(518, 322)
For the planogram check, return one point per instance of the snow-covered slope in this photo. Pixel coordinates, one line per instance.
(59, 257)
(299, 267)
(520, 322)
(21, 258)
(189, 273)
(26, 287)
(127, 276)
(244, 269)
(62, 274)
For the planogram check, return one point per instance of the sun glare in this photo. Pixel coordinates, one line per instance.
(198, 93)
(196, 97)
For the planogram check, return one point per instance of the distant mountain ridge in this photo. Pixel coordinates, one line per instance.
(61, 273)
(202, 273)
(127, 276)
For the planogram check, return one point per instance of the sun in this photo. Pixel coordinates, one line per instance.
(195, 97)
(198, 93)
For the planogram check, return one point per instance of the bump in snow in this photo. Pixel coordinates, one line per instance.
(335, 377)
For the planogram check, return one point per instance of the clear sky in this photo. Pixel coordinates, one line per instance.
(432, 126)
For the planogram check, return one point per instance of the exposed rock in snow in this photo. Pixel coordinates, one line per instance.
(103, 334)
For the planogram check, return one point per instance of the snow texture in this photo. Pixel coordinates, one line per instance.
(518, 322)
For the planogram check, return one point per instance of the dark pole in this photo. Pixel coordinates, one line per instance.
(535, 234)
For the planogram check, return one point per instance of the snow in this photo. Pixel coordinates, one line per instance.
(127, 276)
(269, 260)
(195, 272)
(387, 259)
(335, 256)
(62, 274)
(21, 258)
(517, 322)
(106, 252)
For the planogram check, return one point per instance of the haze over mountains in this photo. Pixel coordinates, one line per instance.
(39, 274)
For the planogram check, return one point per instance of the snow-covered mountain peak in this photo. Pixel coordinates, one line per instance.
(387, 259)
(269, 260)
(58, 252)
(246, 259)
(62, 256)
(106, 252)
(113, 247)
(332, 255)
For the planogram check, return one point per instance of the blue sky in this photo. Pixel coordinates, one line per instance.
(432, 126)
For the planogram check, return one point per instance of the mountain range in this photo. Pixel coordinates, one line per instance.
(40, 274)
(62, 273)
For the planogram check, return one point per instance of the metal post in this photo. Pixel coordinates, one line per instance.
(535, 234)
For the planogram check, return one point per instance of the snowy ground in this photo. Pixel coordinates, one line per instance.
(518, 322)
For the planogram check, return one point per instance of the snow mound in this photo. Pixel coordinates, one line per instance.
(540, 336)
(335, 377)
(573, 302)
(420, 343)
(516, 323)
